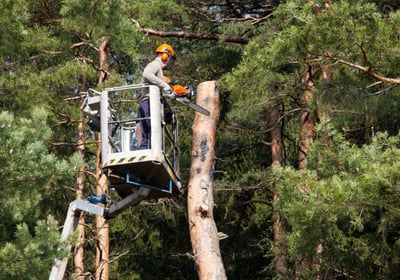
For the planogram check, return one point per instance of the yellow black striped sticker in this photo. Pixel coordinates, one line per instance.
(126, 160)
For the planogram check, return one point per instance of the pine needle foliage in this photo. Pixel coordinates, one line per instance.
(30, 175)
(345, 200)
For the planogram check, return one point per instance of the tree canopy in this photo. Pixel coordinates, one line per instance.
(331, 64)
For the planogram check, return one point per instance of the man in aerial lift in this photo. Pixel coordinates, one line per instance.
(153, 75)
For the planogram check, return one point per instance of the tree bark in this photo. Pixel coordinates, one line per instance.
(307, 120)
(280, 263)
(80, 193)
(307, 123)
(104, 65)
(102, 226)
(203, 232)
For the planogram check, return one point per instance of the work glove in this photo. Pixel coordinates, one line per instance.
(167, 91)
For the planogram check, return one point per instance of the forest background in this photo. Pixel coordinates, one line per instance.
(306, 180)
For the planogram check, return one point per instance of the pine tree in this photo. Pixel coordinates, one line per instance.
(320, 35)
(352, 48)
(30, 173)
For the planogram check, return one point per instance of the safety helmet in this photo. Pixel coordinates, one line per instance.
(166, 49)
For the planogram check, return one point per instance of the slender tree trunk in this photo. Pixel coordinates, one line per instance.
(102, 226)
(307, 123)
(79, 267)
(326, 76)
(104, 64)
(276, 134)
(307, 132)
(307, 266)
(307, 120)
(80, 192)
(203, 232)
(280, 263)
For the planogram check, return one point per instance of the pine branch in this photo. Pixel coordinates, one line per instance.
(366, 70)
(65, 144)
(250, 19)
(191, 35)
(83, 43)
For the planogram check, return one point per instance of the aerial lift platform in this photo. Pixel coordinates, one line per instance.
(128, 168)
(134, 174)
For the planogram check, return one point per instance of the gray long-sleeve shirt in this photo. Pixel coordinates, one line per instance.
(153, 73)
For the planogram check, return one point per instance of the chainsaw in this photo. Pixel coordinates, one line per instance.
(183, 95)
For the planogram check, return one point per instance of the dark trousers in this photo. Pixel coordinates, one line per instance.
(144, 112)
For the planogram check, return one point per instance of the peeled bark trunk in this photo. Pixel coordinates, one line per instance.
(203, 232)
(102, 226)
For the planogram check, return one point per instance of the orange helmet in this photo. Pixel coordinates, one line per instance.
(167, 49)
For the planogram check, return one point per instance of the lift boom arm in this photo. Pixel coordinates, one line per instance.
(71, 221)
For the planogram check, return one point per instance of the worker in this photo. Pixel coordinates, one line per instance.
(153, 75)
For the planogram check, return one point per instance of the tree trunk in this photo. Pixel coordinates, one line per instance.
(80, 192)
(307, 119)
(280, 263)
(307, 133)
(102, 226)
(104, 65)
(203, 232)
(307, 123)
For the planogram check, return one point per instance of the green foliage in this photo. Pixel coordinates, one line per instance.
(343, 201)
(245, 211)
(29, 256)
(329, 203)
(13, 17)
(29, 174)
(152, 235)
(168, 14)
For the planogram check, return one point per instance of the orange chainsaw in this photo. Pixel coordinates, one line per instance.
(183, 94)
(182, 91)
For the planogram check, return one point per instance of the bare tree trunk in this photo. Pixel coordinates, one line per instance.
(102, 226)
(280, 263)
(203, 232)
